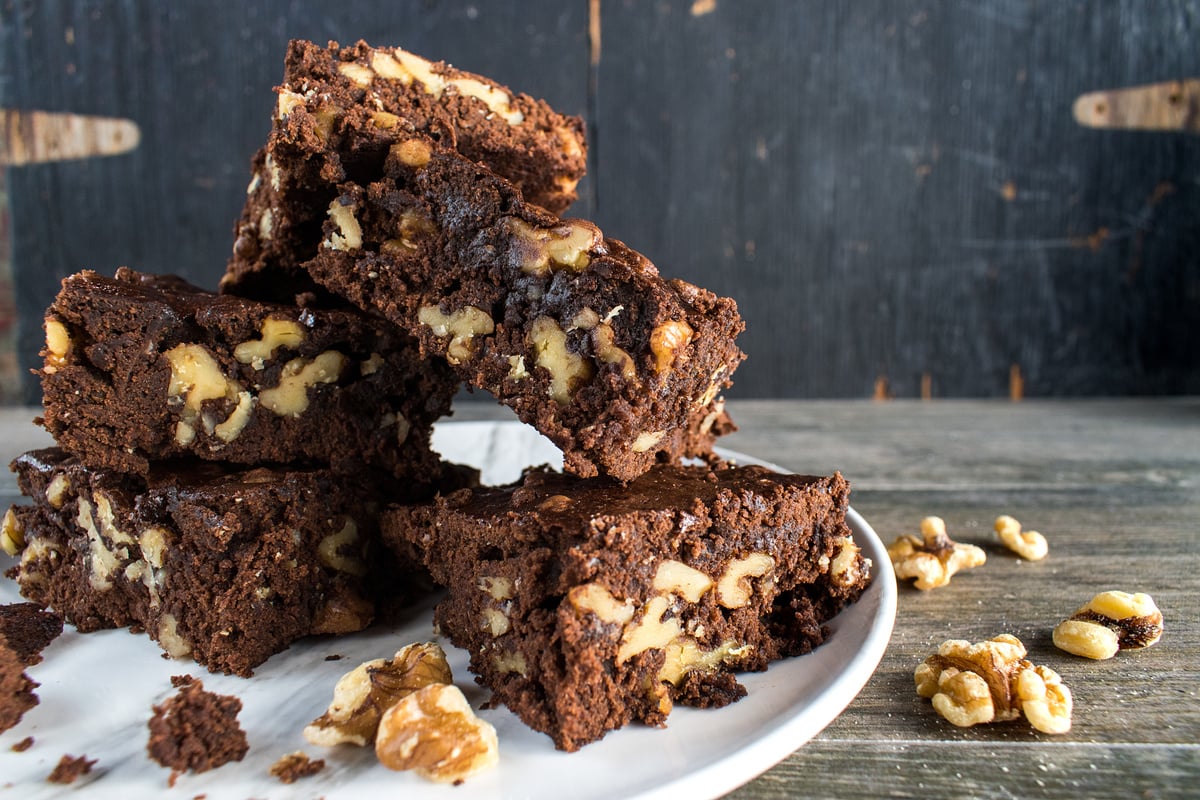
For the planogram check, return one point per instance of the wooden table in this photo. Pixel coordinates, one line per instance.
(1114, 486)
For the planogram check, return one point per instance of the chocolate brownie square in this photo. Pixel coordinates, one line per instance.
(579, 335)
(226, 565)
(587, 604)
(340, 109)
(141, 368)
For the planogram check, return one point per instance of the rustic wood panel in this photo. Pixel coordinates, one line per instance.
(890, 189)
(899, 188)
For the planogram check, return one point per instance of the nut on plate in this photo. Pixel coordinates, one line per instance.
(933, 558)
(434, 732)
(1029, 545)
(991, 681)
(362, 695)
(1109, 622)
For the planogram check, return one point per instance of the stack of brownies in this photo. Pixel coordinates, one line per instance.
(228, 463)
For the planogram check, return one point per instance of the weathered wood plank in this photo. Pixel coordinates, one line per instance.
(979, 770)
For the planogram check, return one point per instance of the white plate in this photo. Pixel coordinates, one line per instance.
(97, 690)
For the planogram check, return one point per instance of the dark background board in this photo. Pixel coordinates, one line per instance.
(890, 190)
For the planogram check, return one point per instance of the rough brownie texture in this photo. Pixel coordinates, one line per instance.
(70, 769)
(338, 112)
(142, 368)
(196, 730)
(27, 629)
(294, 766)
(586, 604)
(228, 567)
(579, 334)
(16, 688)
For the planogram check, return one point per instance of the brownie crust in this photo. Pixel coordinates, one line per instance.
(141, 369)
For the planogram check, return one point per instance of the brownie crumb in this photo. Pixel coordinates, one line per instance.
(293, 766)
(23, 745)
(70, 768)
(196, 730)
(179, 681)
(333, 657)
(28, 629)
(16, 688)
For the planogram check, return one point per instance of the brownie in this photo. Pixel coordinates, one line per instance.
(227, 566)
(196, 730)
(27, 629)
(16, 687)
(142, 368)
(587, 604)
(70, 769)
(579, 334)
(339, 110)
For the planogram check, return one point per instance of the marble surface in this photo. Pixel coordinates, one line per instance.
(97, 692)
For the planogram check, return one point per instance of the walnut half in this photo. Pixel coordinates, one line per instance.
(991, 681)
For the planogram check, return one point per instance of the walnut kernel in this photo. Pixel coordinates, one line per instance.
(568, 370)
(275, 333)
(733, 588)
(434, 732)
(412, 153)
(541, 251)
(668, 343)
(1132, 621)
(349, 233)
(1029, 545)
(12, 534)
(462, 326)
(58, 345)
(1045, 701)
(970, 684)
(290, 397)
(362, 695)
(934, 558)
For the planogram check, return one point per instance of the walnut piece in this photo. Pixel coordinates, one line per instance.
(412, 153)
(58, 345)
(542, 251)
(970, 684)
(349, 233)
(435, 733)
(934, 558)
(668, 343)
(568, 370)
(1029, 545)
(362, 695)
(462, 326)
(1109, 622)
(733, 588)
(290, 397)
(12, 534)
(276, 333)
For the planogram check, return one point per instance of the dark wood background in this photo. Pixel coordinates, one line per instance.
(890, 190)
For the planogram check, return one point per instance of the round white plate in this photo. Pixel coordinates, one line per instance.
(97, 691)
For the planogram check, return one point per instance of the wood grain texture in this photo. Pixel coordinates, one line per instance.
(891, 190)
